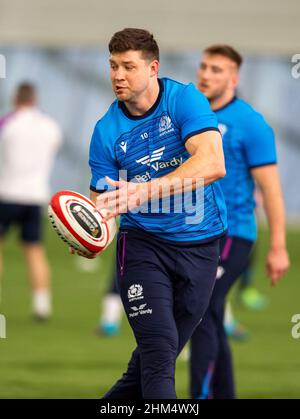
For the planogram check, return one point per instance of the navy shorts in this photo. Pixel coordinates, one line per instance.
(27, 217)
(165, 289)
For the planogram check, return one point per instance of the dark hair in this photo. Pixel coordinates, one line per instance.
(25, 93)
(136, 40)
(226, 51)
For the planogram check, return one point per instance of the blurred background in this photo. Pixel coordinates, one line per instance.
(61, 46)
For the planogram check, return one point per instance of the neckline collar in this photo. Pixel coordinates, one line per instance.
(226, 104)
(126, 112)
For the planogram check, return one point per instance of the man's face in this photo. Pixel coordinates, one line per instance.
(216, 75)
(130, 74)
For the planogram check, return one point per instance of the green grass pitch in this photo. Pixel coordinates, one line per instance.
(64, 358)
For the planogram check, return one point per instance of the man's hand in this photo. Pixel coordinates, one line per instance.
(267, 178)
(126, 197)
(277, 264)
(73, 251)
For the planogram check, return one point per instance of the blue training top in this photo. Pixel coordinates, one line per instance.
(151, 146)
(248, 142)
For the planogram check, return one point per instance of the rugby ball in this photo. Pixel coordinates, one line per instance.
(77, 221)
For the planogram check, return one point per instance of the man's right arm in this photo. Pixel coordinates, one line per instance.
(267, 178)
(260, 151)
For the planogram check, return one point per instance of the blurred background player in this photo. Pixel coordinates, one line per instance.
(111, 311)
(250, 156)
(29, 140)
(247, 295)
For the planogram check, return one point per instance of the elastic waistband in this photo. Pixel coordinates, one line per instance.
(145, 235)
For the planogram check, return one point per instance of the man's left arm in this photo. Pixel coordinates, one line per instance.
(267, 178)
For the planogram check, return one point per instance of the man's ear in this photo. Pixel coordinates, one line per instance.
(235, 78)
(154, 67)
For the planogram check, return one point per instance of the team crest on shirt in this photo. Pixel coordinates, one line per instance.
(223, 129)
(165, 125)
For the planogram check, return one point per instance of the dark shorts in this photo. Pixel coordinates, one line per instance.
(26, 217)
(175, 273)
(165, 289)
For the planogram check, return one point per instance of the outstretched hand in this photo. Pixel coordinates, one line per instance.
(126, 197)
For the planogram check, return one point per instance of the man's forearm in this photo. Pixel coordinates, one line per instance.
(277, 262)
(274, 207)
(205, 165)
(192, 174)
(195, 168)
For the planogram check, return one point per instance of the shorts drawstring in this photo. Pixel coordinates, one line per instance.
(226, 249)
(121, 260)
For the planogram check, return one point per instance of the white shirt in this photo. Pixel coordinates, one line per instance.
(29, 141)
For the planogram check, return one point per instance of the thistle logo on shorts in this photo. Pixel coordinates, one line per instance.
(165, 125)
(135, 292)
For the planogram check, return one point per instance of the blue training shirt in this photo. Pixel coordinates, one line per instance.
(151, 146)
(248, 142)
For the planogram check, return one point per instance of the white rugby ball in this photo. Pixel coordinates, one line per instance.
(77, 221)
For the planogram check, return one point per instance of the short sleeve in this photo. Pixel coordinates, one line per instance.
(102, 161)
(193, 113)
(260, 147)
